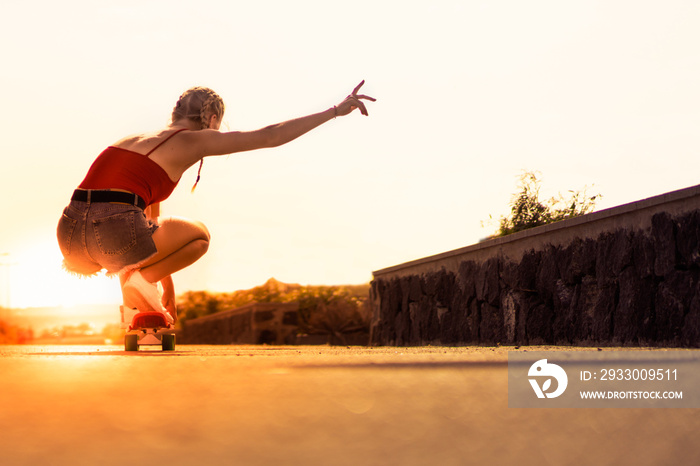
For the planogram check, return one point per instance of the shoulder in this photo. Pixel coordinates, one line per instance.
(197, 136)
(135, 140)
(129, 140)
(144, 142)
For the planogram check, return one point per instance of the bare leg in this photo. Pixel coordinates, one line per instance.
(180, 242)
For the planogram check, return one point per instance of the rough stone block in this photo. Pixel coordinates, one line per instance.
(467, 277)
(487, 282)
(634, 315)
(577, 260)
(613, 254)
(491, 329)
(643, 255)
(688, 240)
(672, 303)
(527, 270)
(547, 276)
(582, 309)
(663, 234)
(691, 324)
(606, 302)
(539, 325)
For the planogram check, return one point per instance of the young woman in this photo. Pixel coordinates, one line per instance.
(112, 221)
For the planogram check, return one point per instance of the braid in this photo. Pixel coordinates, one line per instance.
(208, 109)
(199, 174)
(198, 104)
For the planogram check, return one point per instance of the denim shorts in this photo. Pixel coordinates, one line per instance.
(100, 235)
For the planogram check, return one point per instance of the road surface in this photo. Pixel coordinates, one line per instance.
(208, 405)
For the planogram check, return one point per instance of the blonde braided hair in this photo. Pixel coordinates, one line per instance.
(198, 104)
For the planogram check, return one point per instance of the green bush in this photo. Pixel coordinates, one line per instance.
(529, 211)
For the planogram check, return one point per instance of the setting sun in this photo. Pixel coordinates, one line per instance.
(36, 279)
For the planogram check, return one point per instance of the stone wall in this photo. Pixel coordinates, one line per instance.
(255, 323)
(624, 276)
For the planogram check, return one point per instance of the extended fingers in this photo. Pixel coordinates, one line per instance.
(357, 88)
(355, 100)
(362, 96)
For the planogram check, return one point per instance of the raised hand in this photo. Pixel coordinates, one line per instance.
(354, 101)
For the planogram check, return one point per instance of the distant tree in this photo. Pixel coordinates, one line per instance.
(331, 310)
(529, 211)
(12, 334)
(193, 304)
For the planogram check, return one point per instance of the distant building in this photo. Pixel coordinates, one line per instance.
(254, 323)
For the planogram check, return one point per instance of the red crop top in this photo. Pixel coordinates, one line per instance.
(117, 168)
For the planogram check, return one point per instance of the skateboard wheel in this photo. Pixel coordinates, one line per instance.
(168, 342)
(131, 342)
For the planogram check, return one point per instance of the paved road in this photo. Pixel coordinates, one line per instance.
(207, 405)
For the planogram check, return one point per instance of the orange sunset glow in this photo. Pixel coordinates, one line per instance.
(469, 94)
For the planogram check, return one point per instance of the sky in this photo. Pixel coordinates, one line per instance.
(469, 94)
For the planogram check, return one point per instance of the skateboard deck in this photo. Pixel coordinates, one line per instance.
(146, 329)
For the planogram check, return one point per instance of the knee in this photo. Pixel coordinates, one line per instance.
(186, 228)
(202, 232)
(205, 237)
(200, 246)
(205, 232)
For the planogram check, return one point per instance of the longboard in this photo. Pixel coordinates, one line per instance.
(146, 329)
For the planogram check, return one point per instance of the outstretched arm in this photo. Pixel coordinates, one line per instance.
(270, 136)
(212, 142)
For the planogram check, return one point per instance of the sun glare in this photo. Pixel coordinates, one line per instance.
(34, 277)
